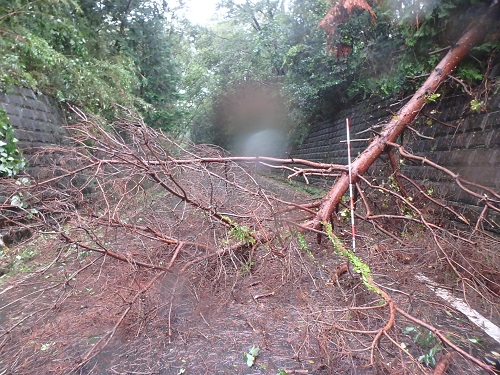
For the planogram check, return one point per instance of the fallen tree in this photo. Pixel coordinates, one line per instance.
(127, 192)
(472, 36)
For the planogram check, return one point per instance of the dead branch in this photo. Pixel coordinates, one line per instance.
(443, 364)
(494, 200)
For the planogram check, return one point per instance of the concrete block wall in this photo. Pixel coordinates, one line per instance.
(37, 118)
(464, 141)
(326, 141)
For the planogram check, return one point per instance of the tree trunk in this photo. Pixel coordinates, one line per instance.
(472, 37)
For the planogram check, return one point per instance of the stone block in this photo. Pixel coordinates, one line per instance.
(428, 130)
(439, 144)
(26, 113)
(40, 126)
(40, 106)
(491, 121)
(45, 138)
(493, 140)
(459, 157)
(22, 135)
(494, 158)
(16, 99)
(472, 123)
(443, 158)
(477, 139)
(15, 120)
(496, 183)
(28, 124)
(479, 157)
(10, 109)
(484, 175)
(445, 131)
(27, 93)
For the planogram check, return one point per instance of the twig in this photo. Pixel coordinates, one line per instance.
(443, 338)
(104, 341)
(443, 364)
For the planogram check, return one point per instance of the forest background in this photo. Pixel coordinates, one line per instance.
(259, 62)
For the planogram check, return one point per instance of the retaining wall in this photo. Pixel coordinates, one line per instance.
(462, 140)
(37, 118)
(38, 121)
(451, 134)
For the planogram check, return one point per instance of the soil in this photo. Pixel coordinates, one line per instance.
(61, 304)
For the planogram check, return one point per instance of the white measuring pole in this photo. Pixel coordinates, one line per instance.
(351, 193)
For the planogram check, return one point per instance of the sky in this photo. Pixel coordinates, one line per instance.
(200, 11)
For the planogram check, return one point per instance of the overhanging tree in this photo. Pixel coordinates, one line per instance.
(472, 36)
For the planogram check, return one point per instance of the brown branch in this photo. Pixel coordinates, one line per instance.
(448, 342)
(434, 200)
(396, 171)
(112, 254)
(439, 121)
(443, 364)
(460, 181)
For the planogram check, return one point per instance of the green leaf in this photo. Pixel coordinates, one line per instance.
(250, 359)
(475, 340)
(255, 351)
(251, 355)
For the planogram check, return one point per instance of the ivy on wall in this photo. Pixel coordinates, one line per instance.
(11, 159)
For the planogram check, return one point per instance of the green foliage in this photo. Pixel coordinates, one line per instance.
(241, 233)
(432, 98)
(11, 160)
(357, 264)
(303, 245)
(476, 105)
(92, 54)
(426, 340)
(251, 356)
(11, 262)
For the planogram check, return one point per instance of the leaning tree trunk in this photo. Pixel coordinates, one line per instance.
(472, 37)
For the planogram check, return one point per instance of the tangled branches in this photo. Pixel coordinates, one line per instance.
(170, 208)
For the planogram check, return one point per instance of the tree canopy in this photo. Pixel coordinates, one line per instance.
(304, 58)
(319, 57)
(93, 54)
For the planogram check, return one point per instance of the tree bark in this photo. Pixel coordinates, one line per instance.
(473, 35)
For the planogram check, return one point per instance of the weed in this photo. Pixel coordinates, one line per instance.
(239, 233)
(246, 268)
(476, 105)
(306, 188)
(46, 346)
(251, 356)
(431, 98)
(426, 340)
(303, 245)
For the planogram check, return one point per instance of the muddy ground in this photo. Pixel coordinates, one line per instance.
(64, 309)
